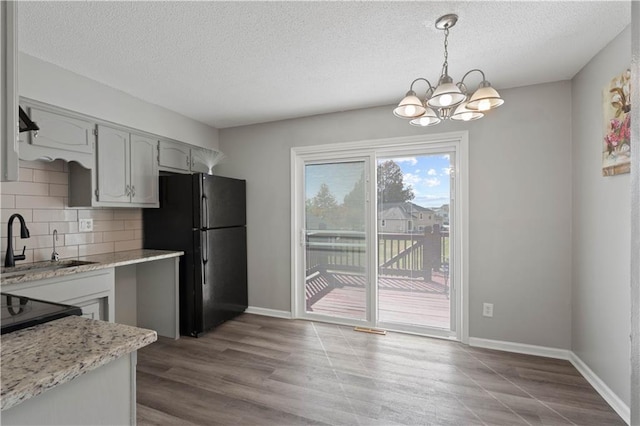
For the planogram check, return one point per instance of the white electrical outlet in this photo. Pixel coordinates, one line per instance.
(86, 225)
(487, 310)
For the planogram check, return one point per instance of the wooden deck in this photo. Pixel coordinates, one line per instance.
(401, 300)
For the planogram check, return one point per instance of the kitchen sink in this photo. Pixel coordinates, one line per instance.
(35, 268)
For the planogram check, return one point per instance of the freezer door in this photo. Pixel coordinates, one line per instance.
(223, 202)
(224, 278)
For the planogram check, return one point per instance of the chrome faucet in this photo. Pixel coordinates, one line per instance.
(55, 256)
(10, 258)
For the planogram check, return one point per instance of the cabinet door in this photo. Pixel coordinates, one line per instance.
(113, 165)
(61, 132)
(144, 170)
(9, 84)
(92, 309)
(174, 156)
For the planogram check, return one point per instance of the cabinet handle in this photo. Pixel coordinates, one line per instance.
(127, 191)
(133, 191)
(187, 161)
(35, 134)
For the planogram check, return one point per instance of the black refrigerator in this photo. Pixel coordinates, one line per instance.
(204, 216)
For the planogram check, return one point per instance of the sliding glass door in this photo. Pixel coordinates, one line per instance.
(335, 215)
(414, 259)
(376, 237)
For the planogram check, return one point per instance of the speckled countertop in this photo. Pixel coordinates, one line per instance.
(36, 359)
(33, 271)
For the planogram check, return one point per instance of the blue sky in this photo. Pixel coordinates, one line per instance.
(427, 174)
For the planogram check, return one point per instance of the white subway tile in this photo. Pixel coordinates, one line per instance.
(84, 238)
(108, 225)
(8, 201)
(89, 249)
(133, 224)
(64, 227)
(127, 214)
(127, 245)
(25, 188)
(56, 190)
(63, 253)
(96, 214)
(55, 215)
(61, 178)
(37, 228)
(34, 202)
(25, 175)
(39, 241)
(27, 214)
(117, 235)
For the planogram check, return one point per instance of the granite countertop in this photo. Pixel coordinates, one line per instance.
(33, 271)
(36, 359)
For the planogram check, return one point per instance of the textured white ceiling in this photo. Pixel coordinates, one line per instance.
(235, 63)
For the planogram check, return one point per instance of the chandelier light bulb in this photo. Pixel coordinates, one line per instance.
(445, 100)
(410, 110)
(484, 105)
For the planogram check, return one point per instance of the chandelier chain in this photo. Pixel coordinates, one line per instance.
(445, 65)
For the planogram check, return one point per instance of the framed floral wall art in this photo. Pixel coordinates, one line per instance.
(616, 143)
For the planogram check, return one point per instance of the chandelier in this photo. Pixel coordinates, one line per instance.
(447, 100)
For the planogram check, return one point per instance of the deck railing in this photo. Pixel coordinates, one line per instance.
(407, 255)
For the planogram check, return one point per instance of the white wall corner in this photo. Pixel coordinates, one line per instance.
(268, 312)
(601, 387)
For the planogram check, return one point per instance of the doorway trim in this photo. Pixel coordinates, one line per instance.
(459, 140)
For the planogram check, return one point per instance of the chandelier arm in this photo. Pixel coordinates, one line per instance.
(421, 79)
(469, 72)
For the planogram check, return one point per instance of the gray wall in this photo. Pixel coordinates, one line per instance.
(520, 206)
(601, 237)
(635, 220)
(49, 83)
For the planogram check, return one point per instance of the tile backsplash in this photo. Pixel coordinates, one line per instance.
(41, 197)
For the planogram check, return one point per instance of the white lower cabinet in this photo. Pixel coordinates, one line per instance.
(92, 291)
(92, 309)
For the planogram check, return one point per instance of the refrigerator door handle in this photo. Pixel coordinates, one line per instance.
(205, 257)
(205, 211)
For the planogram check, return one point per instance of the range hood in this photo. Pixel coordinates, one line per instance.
(26, 124)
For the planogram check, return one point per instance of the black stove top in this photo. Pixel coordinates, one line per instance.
(20, 312)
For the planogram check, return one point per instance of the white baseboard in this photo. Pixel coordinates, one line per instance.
(601, 387)
(268, 312)
(520, 348)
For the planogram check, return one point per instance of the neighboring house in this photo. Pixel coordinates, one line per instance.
(443, 212)
(406, 217)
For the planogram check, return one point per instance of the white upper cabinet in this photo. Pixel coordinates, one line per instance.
(125, 172)
(9, 90)
(62, 132)
(63, 135)
(144, 170)
(174, 156)
(113, 169)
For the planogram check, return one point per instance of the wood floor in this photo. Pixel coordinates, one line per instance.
(259, 370)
